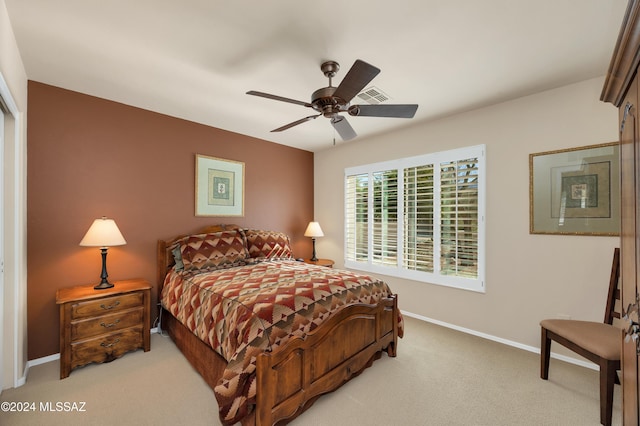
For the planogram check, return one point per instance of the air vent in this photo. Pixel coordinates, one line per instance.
(373, 96)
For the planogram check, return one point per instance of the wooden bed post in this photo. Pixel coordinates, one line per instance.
(161, 266)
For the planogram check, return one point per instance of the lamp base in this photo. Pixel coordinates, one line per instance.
(313, 256)
(103, 285)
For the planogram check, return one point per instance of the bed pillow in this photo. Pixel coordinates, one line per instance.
(177, 258)
(268, 244)
(213, 251)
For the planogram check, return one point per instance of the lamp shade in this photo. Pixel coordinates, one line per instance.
(313, 230)
(103, 233)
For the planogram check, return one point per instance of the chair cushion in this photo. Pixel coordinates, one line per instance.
(601, 339)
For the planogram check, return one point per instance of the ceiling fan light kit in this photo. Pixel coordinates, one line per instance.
(330, 101)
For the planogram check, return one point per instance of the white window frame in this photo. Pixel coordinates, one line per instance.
(474, 284)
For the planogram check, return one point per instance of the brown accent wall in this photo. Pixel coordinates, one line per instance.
(90, 157)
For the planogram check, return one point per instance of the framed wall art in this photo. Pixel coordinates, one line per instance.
(575, 191)
(219, 187)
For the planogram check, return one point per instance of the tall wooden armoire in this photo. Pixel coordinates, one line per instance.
(621, 89)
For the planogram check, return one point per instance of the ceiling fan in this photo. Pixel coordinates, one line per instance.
(331, 101)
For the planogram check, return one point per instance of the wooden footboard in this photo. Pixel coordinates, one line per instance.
(292, 378)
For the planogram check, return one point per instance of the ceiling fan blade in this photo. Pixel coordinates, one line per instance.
(397, 110)
(278, 98)
(295, 123)
(343, 128)
(360, 74)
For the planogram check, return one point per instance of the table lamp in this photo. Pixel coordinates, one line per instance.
(103, 233)
(313, 231)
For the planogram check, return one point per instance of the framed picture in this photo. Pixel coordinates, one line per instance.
(219, 187)
(575, 191)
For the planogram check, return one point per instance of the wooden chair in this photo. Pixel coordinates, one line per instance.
(598, 342)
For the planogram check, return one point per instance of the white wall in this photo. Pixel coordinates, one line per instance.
(529, 277)
(13, 300)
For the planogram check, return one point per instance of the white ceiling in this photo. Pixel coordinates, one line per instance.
(195, 59)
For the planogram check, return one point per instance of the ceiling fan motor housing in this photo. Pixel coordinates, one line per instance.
(324, 102)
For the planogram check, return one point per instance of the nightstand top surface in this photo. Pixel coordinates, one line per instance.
(86, 292)
(320, 262)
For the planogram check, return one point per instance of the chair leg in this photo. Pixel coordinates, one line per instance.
(545, 354)
(607, 380)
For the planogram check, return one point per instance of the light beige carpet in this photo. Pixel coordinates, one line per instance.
(440, 377)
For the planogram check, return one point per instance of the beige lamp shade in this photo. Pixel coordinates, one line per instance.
(313, 230)
(103, 233)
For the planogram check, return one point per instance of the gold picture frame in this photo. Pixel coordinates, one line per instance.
(575, 191)
(219, 187)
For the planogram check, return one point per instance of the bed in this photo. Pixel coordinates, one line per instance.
(269, 334)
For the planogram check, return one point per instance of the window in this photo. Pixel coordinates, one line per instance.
(420, 218)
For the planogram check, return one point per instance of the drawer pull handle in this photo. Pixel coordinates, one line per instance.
(108, 345)
(110, 324)
(110, 306)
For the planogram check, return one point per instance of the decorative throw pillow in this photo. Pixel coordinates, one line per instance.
(177, 258)
(213, 251)
(268, 244)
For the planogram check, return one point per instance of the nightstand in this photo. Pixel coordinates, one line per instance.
(102, 325)
(320, 262)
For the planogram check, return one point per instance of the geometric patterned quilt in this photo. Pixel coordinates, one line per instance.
(242, 311)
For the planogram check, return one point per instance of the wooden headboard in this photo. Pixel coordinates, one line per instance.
(165, 257)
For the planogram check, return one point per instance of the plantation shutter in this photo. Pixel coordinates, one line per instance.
(418, 218)
(384, 244)
(459, 218)
(356, 217)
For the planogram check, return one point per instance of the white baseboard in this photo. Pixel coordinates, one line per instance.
(528, 348)
(22, 380)
(42, 360)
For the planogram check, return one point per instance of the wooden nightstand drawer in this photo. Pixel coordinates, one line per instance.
(106, 323)
(106, 305)
(106, 348)
(102, 325)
